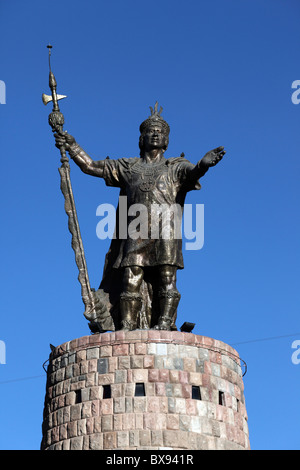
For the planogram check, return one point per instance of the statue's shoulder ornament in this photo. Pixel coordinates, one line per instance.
(181, 159)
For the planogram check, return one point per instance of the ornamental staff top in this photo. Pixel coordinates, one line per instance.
(52, 85)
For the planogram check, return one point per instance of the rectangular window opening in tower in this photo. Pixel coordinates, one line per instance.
(139, 390)
(77, 396)
(106, 392)
(221, 398)
(196, 394)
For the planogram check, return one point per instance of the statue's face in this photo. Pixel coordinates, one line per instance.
(154, 138)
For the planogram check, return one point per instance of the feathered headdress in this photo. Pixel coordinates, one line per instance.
(155, 119)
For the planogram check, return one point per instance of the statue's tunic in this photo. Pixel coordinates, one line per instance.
(160, 188)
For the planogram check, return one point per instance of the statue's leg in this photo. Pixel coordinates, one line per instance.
(130, 298)
(168, 297)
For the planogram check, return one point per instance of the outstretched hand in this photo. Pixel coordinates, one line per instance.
(213, 157)
(64, 140)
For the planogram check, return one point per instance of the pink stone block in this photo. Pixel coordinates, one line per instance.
(166, 335)
(95, 340)
(112, 364)
(95, 408)
(190, 407)
(178, 336)
(63, 433)
(163, 405)
(128, 421)
(109, 440)
(170, 438)
(105, 379)
(107, 338)
(148, 362)
(206, 380)
(105, 351)
(153, 404)
(154, 334)
(207, 368)
(134, 335)
(97, 424)
(189, 338)
(215, 357)
(120, 349)
(160, 388)
(106, 406)
(189, 364)
(141, 348)
(183, 377)
(90, 425)
(72, 429)
(140, 375)
(118, 422)
(73, 345)
(174, 376)
(186, 391)
(55, 434)
(120, 335)
(155, 421)
(153, 375)
(92, 365)
(172, 422)
(163, 375)
(83, 341)
(81, 355)
(122, 439)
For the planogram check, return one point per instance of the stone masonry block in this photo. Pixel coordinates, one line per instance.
(92, 353)
(105, 351)
(76, 443)
(109, 440)
(120, 350)
(119, 405)
(96, 441)
(122, 439)
(102, 366)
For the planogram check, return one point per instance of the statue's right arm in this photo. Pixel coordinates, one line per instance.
(85, 162)
(80, 157)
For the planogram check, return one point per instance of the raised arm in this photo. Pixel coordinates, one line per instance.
(80, 157)
(211, 158)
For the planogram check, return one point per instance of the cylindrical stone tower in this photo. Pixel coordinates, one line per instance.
(144, 389)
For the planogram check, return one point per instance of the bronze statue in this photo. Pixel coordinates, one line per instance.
(138, 289)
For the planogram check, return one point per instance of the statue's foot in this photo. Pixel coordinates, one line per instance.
(163, 324)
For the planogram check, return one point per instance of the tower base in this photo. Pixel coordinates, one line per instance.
(144, 389)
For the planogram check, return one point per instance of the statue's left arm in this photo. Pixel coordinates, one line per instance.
(210, 159)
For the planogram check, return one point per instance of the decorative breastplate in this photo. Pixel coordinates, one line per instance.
(147, 174)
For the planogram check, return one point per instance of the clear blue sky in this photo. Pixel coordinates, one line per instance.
(222, 72)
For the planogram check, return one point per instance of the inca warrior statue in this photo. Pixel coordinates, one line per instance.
(138, 289)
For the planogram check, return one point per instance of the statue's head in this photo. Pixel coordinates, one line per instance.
(154, 131)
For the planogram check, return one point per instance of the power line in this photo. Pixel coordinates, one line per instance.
(22, 379)
(231, 344)
(264, 339)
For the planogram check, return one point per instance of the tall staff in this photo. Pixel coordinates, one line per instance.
(56, 121)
